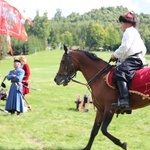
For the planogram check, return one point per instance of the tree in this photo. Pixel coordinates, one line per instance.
(95, 36)
(67, 38)
(75, 30)
(146, 38)
(41, 28)
(112, 37)
(34, 44)
(57, 16)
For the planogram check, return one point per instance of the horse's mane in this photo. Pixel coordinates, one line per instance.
(90, 54)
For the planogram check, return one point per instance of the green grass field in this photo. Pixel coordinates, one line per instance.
(53, 123)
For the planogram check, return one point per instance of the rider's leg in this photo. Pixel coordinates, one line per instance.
(122, 78)
(123, 95)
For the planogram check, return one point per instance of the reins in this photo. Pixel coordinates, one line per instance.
(70, 78)
(100, 72)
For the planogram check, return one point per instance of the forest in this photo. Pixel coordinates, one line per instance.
(97, 29)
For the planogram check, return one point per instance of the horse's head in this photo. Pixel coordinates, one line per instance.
(66, 69)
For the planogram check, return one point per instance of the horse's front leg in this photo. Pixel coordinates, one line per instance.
(108, 115)
(95, 129)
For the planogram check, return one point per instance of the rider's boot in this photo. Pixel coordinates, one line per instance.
(123, 95)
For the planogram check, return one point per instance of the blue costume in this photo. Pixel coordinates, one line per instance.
(15, 100)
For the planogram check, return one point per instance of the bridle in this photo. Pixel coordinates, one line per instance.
(68, 64)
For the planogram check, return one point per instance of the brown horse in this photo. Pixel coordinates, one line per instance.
(94, 70)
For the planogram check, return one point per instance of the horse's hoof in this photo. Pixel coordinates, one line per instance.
(124, 146)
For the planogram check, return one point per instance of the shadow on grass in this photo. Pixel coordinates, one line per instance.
(72, 109)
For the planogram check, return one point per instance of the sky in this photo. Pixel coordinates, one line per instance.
(29, 7)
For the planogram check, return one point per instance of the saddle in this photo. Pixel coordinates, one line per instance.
(140, 83)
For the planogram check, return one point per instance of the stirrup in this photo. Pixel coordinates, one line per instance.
(122, 112)
(121, 106)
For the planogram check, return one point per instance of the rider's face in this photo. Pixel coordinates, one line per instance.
(124, 26)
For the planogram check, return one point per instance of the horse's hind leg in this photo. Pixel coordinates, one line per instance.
(94, 131)
(106, 121)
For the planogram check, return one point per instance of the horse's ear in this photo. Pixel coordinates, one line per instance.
(65, 48)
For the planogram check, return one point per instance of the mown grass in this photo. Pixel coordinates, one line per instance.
(54, 124)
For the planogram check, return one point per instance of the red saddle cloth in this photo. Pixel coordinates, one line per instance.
(140, 83)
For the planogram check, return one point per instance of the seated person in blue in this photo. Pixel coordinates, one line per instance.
(14, 101)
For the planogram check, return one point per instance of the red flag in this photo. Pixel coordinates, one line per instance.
(12, 21)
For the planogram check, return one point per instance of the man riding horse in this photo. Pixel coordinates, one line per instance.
(129, 57)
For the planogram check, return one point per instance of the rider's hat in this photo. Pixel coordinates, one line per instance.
(128, 18)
